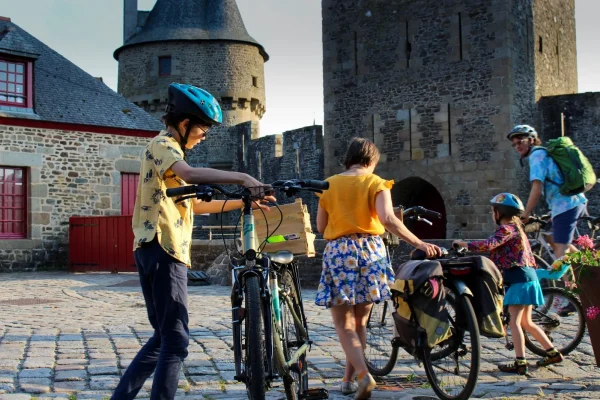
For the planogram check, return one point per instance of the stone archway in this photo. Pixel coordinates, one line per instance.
(415, 191)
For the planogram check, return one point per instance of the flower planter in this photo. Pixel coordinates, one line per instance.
(589, 283)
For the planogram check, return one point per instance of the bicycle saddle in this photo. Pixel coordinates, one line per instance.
(281, 257)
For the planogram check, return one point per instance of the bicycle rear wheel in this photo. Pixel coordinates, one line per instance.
(562, 319)
(255, 354)
(380, 354)
(452, 366)
(288, 339)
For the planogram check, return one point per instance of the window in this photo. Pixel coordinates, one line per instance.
(129, 184)
(254, 81)
(540, 45)
(13, 83)
(164, 66)
(13, 203)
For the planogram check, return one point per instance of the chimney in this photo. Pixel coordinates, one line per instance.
(130, 18)
(4, 19)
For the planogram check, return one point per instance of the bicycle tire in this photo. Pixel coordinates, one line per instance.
(255, 345)
(544, 316)
(295, 379)
(380, 355)
(465, 321)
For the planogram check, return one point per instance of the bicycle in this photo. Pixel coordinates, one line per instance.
(459, 355)
(270, 331)
(380, 355)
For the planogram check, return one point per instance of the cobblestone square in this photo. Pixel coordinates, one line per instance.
(66, 336)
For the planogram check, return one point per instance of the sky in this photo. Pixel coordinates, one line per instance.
(88, 31)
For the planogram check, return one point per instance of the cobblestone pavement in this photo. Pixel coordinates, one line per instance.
(70, 336)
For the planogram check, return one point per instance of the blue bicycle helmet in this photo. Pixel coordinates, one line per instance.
(522, 130)
(188, 99)
(508, 204)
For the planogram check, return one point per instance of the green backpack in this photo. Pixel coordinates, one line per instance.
(578, 174)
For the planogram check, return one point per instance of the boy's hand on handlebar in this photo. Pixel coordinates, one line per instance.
(257, 188)
(459, 244)
(525, 218)
(431, 250)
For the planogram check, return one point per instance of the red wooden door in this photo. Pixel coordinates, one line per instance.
(101, 244)
(129, 183)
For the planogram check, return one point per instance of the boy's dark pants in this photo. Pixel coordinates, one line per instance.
(164, 285)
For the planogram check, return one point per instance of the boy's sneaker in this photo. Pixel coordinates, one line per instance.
(552, 357)
(365, 386)
(517, 367)
(349, 387)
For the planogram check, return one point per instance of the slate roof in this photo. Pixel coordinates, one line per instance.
(193, 20)
(63, 92)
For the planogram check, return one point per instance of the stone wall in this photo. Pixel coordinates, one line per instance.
(581, 116)
(554, 47)
(70, 173)
(433, 84)
(233, 72)
(437, 86)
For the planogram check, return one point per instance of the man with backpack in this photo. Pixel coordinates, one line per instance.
(562, 174)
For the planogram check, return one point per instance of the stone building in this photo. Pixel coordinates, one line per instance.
(208, 46)
(437, 86)
(68, 144)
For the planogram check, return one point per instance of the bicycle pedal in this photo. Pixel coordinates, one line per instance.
(315, 394)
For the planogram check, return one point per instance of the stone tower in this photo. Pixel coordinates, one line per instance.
(200, 42)
(437, 85)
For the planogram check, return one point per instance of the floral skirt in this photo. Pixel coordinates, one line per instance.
(355, 270)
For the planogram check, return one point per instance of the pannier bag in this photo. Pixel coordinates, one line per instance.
(420, 315)
(485, 281)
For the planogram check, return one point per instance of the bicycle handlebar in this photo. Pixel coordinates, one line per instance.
(419, 211)
(207, 191)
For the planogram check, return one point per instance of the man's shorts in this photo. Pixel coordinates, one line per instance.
(563, 225)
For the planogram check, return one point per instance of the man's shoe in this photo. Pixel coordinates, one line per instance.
(566, 310)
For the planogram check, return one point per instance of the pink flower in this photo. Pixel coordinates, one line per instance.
(592, 312)
(584, 242)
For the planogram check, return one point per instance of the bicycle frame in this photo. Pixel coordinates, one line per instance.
(269, 292)
(238, 279)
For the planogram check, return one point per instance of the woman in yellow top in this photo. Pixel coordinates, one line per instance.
(352, 215)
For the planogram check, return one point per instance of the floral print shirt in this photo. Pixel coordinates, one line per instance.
(508, 248)
(155, 214)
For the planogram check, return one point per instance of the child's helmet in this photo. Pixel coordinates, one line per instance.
(190, 100)
(522, 130)
(508, 204)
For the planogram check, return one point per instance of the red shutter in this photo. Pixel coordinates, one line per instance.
(129, 183)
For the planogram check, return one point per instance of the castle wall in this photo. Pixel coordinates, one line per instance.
(436, 86)
(554, 47)
(581, 115)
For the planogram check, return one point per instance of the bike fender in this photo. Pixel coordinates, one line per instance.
(462, 288)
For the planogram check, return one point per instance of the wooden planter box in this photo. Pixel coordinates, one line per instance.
(295, 226)
(590, 296)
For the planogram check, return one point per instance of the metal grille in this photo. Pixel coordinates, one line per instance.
(129, 283)
(397, 384)
(28, 302)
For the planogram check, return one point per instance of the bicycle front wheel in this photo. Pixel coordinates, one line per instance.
(254, 341)
(290, 338)
(452, 366)
(561, 317)
(380, 354)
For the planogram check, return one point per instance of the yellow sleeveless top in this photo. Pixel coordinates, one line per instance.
(350, 205)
